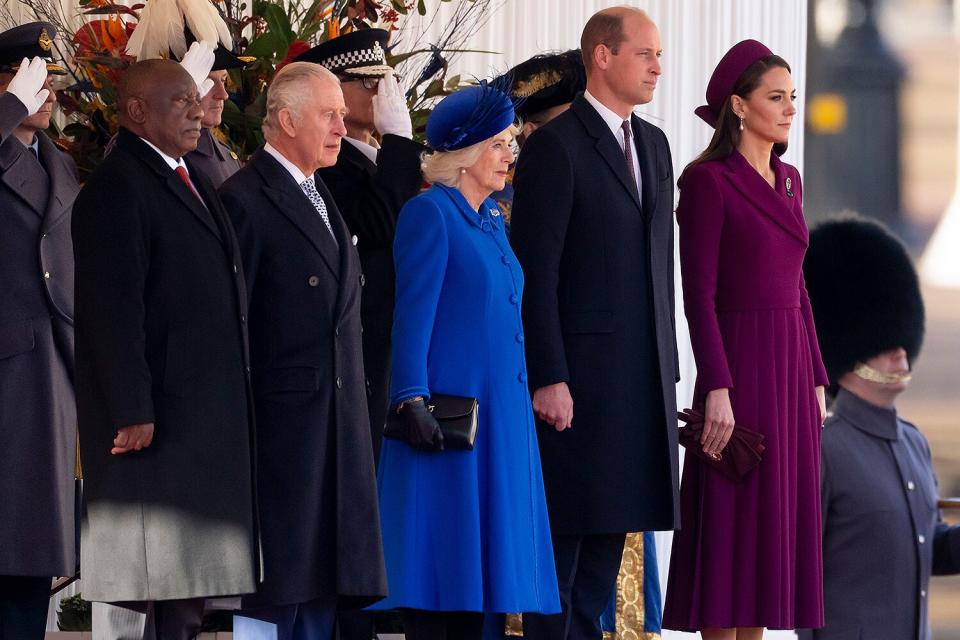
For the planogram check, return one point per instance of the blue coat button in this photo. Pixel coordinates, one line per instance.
(504, 259)
(514, 298)
(520, 338)
(522, 377)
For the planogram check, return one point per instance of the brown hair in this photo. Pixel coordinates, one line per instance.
(604, 27)
(726, 137)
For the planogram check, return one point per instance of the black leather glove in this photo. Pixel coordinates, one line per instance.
(420, 429)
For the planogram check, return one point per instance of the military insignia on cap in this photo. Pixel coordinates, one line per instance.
(44, 40)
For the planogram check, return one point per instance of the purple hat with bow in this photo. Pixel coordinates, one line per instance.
(725, 76)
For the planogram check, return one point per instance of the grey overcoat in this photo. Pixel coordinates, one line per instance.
(38, 421)
(882, 532)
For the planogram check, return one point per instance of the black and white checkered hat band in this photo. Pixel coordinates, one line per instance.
(362, 61)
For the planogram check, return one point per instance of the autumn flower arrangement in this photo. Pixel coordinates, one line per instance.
(92, 44)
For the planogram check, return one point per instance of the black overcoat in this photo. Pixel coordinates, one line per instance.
(370, 196)
(38, 420)
(598, 313)
(161, 335)
(316, 480)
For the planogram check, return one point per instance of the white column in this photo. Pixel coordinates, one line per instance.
(940, 265)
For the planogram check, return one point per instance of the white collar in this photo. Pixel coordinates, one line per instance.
(168, 159)
(368, 150)
(613, 120)
(291, 168)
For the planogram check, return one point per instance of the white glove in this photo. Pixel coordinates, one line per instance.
(27, 84)
(198, 60)
(390, 113)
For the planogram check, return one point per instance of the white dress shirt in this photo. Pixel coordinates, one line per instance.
(615, 122)
(369, 150)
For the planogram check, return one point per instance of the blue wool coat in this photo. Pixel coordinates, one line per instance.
(463, 530)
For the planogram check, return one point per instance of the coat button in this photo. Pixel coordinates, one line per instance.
(522, 377)
(339, 382)
(247, 370)
(46, 275)
(243, 319)
(236, 269)
(921, 539)
(313, 281)
(336, 331)
(520, 338)
(911, 486)
(514, 298)
(363, 281)
(923, 593)
(505, 260)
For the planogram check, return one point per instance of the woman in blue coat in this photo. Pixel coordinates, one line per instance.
(465, 531)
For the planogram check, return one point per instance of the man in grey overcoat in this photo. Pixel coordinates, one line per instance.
(883, 535)
(38, 184)
(165, 414)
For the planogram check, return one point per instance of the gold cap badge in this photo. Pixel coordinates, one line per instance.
(44, 40)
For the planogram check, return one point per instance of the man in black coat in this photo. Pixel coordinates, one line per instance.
(593, 228)
(316, 485)
(162, 369)
(370, 182)
(38, 428)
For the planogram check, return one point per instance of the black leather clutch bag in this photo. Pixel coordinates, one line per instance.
(456, 415)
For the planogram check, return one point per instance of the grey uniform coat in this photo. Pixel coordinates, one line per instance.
(38, 421)
(598, 314)
(882, 532)
(161, 337)
(213, 158)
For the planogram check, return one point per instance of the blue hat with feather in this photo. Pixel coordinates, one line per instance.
(469, 116)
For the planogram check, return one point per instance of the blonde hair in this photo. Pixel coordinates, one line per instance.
(444, 167)
(286, 91)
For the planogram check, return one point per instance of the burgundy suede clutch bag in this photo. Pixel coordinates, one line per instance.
(738, 458)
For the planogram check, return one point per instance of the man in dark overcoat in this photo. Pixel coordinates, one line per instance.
(593, 228)
(38, 184)
(370, 182)
(163, 396)
(315, 482)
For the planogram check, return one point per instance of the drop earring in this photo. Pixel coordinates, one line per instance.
(741, 123)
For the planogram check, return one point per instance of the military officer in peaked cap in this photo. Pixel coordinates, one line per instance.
(38, 184)
(212, 157)
(377, 171)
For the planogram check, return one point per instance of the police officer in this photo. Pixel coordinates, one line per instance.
(377, 171)
(38, 184)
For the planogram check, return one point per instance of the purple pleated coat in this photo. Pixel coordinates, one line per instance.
(748, 553)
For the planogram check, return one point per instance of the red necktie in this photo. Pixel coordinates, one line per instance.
(182, 172)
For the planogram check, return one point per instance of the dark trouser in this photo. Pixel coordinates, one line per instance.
(312, 620)
(355, 625)
(23, 607)
(170, 619)
(442, 625)
(587, 568)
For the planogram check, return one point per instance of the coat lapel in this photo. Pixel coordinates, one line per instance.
(649, 177)
(132, 143)
(607, 145)
(63, 187)
(347, 253)
(286, 194)
(357, 158)
(21, 175)
(770, 201)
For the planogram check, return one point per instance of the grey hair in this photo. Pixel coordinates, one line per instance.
(443, 167)
(286, 91)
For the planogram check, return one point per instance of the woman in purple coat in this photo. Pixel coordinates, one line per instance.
(748, 554)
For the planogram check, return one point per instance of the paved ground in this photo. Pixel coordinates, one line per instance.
(933, 404)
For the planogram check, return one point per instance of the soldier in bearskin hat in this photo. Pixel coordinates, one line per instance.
(883, 535)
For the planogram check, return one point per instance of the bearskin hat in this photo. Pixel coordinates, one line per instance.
(864, 291)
